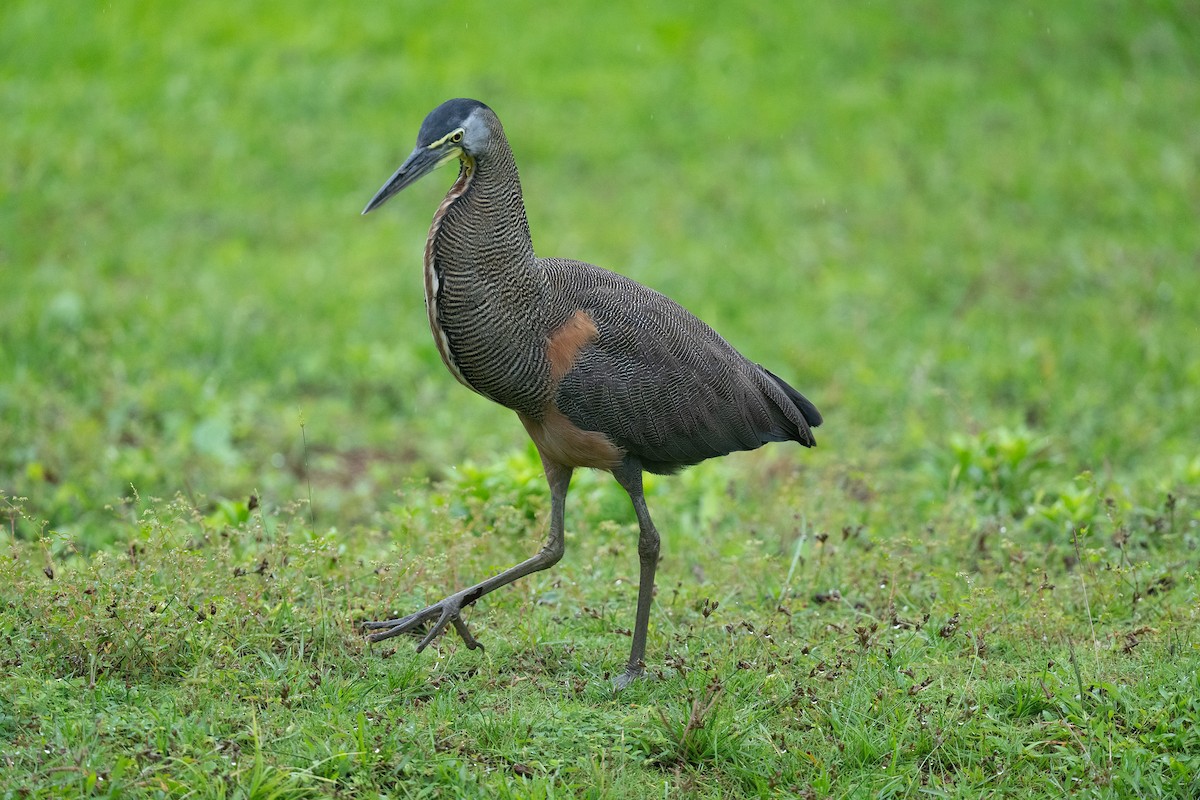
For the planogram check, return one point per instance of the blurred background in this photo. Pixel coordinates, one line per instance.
(967, 231)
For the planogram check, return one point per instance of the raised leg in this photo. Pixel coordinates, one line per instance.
(629, 475)
(447, 611)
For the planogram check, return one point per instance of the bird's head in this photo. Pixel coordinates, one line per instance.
(457, 129)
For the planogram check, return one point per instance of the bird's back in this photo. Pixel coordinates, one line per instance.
(660, 383)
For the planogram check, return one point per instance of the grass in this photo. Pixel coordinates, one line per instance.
(968, 233)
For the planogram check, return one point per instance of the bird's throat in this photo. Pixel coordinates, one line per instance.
(433, 276)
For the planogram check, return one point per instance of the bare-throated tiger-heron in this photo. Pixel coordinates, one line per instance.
(602, 371)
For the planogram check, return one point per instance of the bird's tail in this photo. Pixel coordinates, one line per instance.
(805, 406)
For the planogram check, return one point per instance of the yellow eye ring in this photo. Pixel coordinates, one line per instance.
(456, 137)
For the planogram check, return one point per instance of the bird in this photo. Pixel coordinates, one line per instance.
(603, 372)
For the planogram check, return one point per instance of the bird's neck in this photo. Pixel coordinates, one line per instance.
(480, 229)
(483, 289)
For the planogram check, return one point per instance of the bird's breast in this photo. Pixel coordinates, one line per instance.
(490, 342)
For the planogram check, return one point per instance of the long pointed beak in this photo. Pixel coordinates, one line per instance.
(420, 163)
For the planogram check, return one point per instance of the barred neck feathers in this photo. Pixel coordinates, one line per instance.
(483, 292)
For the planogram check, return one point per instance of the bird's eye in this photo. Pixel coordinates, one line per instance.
(456, 137)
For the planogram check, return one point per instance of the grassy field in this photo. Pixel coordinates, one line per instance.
(969, 232)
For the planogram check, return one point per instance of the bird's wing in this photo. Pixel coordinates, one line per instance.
(658, 381)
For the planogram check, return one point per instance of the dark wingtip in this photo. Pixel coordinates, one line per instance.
(805, 406)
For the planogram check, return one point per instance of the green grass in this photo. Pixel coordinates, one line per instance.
(968, 232)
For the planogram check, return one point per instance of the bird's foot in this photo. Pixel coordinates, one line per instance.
(631, 674)
(446, 613)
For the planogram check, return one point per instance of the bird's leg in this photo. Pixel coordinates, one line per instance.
(629, 475)
(446, 612)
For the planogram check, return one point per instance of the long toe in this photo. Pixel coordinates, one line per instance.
(375, 625)
(461, 626)
(394, 627)
(448, 614)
